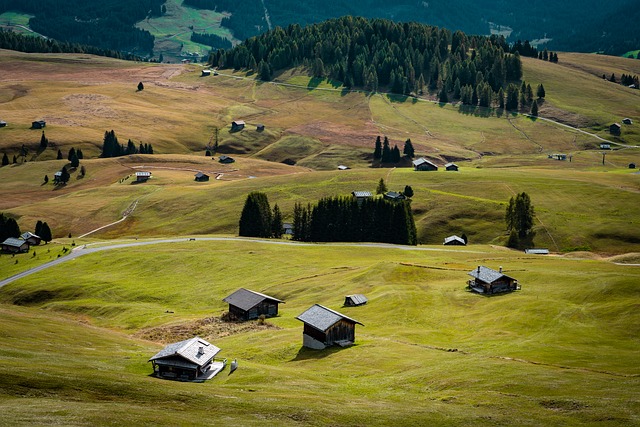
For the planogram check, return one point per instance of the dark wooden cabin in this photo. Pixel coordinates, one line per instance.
(143, 176)
(488, 281)
(13, 245)
(201, 177)
(454, 241)
(355, 300)
(451, 167)
(237, 125)
(30, 238)
(226, 159)
(324, 327)
(423, 164)
(38, 124)
(185, 360)
(615, 129)
(246, 305)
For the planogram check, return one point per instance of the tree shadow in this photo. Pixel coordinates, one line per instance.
(314, 82)
(393, 97)
(306, 353)
(474, 110)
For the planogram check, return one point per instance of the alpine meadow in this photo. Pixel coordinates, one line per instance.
(250, 213)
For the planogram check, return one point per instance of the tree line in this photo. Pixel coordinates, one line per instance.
(9, 228)
(212, 40)
(112, 148)
(383, 153)
(373, 53)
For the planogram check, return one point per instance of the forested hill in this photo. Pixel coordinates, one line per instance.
(106, 24)
(569, 24)
(406, 57)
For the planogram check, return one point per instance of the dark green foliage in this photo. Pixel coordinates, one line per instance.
(264, 70)
(212, 40)
(8, 227)
(276, 223)
(255, 219)
(377, 152)
(45, 233)
(408, 191)
(15, 159)
(534, 108)
(511, 102)
(38, 228)
(207, 153)
(442, 97)
(75, 162)
(386, 151)
(408, 149)
(83, 171)
(5, 159)
(110, 145)
(540, 92)
(59, 156)
(140, 86)
(345, 219)
(79, 154)
(44, 142)
(464, 237)
(395, 154)
(519, 219)
(72, 153)
(382, 187)
(64, 178)
(46, 179)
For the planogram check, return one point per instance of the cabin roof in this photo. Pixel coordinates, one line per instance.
(535, 251)
(12, 241)
(28, 234)
(422, 161)
(246, 299)
(362, 194)
(143, 173)
(322, 318)
(450, 164)
(201, 175)
(486, 274)
(453, 238)
(357, 298)
(189, 350)
(394, 195)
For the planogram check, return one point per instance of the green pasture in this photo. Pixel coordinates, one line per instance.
(11, 19)
(429, 353)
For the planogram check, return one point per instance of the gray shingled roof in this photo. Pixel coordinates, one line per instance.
(322, 318)
(143, 173)
(12, 241)
(450, 164)
(421, 161)
(190, 351)
(246, 299)
(357, 298)
(200, 175)
(486, 274)
(28, 234)
(362, 194)
(453, 238)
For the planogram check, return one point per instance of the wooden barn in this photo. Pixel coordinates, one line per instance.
(38, 124)
(632, 165)
(31, 239)
(260, 128)
(13, 245)
(324, 327)
(355, 300)
(187, 360)
(451, 167)
(201, 177)
(237, 125)
(287, 228)
(615, 129)
(3, 123)
(423, 164)
(143, 176)
(454, 241)
(246, 305)
(226, 159)
(394, 196)
(205, 73)
(627, 121)
(488, 281)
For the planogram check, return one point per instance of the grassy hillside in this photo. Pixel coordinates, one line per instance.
(429, 351)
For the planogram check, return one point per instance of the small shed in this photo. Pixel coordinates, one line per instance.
(205, 73)
(245, 304)
(225, 159)
(394, 196)
(13, 245)
(260, 128)
(143, 176)
(632, 165)
(604, 146)
(38, 124)
(627, 121)
(186, 61)
(324, 327)
(3, 123)
(538, 251)
(423, 164)
(361, 195)
(287, 228)
(237, 125)
(454, 241)
(355, 300)
(451, 167)
(31, 239)
(201, 177)
(57, 177)
(615, 129)
(343, 168)
(488, 281)
(186, 360)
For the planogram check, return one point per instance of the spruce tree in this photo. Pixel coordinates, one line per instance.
(5, 160)
(276, 222)
(140, 86)
(408, 149)
(442, 97)
(59, 157)
(72, 152)
(44, 142)
(540, 92)
(386, 151)
(408, 191)
(75, 162)
(255, 219)
(38, 228)
(382, 187)
(45, 233)
(15, 159)
(377, 152)
(534, 108)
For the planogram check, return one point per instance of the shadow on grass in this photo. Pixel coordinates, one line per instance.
(397, 98)
(472, 110)
(306, 353)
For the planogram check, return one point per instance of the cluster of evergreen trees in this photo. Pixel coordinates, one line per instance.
(373, 53)
(519, 219)
(43, 231)
(212, 40)
(257, 219)
(625, 80)
(107, 24)
(345, 219)
(112, 148)
(9, 228)
(525, 49)
(32, 44)
(383, 153)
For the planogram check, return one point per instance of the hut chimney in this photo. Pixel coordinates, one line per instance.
(478, 271)
(201, 350)
(500, 269)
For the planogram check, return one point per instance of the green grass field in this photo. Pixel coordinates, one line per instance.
(429, 353)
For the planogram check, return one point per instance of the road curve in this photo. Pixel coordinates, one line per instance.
(87, 249)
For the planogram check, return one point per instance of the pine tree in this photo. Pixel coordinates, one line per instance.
(15, 159)
(395, 154)
(382, 187)
(377, 152)
(442, 97)
(276, 222)
(79, 154)
(44, 142)
(255, 219)
(75, 162)
(386, 151)
(408, 191)
(540, 92)
(64, 178)
(534, 108)
(46, 179)
(72, 152)
(500, 97)
(45, 233)
(519, 218)
(408, 149)
(5, 160)
(140, 87)
(59, 157)
(38, 228)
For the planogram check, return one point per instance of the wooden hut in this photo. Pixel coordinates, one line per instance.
(324, 327)
(3, 123)
(185, 360)
(201, 177)
(394, 196)
(237, 125)
(260, 128)
(225, 159)
(615, 129)
(38, 124)
(423, 164)
(627, 121)
(13, 245)
(143, 176)
(30, 238)
(451, 167)
(206, 73)
(245, 304)
(454, 241)
(632, 165)
(355, 300)
(487, 281)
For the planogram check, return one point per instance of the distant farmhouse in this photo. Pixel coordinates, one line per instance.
(394, 196)
(30, 238)
(362, 194)
(143, 176)
(187, 360)
(604, 146)
(3, 123)
(558, 156)
(355, 300)
(225, 159)
(237, 125)
(627, 121)
(423, 164)
(201, 177)
(487, 281)
(454, 241)
(451, 167)
(13, 245)
(615, 129)
(324, 327)
(245, 304)
(260, 128)
(38, 124)
(206, 73)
